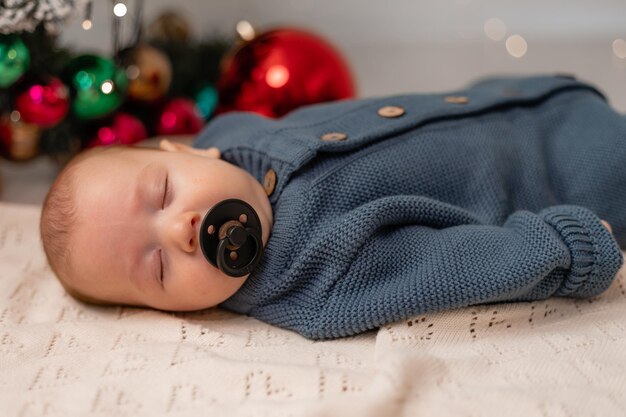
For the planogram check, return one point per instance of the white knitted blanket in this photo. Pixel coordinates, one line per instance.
(559, 357)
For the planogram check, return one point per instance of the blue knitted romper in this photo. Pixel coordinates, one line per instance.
(389, 207)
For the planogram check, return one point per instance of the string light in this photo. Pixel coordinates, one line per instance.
(516, 46)
(120, 9)
(87, 24)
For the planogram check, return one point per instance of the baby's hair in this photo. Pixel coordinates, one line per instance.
(58, 217)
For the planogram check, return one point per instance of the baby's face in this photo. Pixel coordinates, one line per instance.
(135, 240)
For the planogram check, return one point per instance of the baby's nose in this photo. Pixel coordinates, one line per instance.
(184, 231)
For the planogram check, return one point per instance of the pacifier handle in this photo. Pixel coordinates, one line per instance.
(230, 237)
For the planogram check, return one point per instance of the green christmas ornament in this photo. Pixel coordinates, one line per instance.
(99, 86)
(14, 59)
(206, 101)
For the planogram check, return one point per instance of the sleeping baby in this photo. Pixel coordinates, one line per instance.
(353, 214)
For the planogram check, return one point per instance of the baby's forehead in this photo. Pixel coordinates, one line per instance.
(108, 160)
(103, 172)
(121, 152)
(110, 178)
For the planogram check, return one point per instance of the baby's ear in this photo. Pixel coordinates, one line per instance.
(168, 146)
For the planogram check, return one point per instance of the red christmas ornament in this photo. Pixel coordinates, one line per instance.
(180, 117)
(44, 105)
(281, 70)
(123, 130)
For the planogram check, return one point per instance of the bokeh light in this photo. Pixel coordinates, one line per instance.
(36, 93)
(516, 46)
(277, 76)
(106, 135)
(495, 29)
(107, 87)
(619, 48)
(132, 72)
(245, 30)
(120, 9)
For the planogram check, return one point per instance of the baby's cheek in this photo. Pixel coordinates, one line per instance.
(198, 181)
(199, 285)
(195, 281)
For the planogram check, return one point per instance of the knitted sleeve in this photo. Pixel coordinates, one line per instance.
(398, 257)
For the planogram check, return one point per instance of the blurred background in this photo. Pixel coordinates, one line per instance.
(254, 55)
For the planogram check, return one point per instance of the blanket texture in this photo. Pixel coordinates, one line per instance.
(59, 357)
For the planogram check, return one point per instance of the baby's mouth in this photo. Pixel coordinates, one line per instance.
(230, 237)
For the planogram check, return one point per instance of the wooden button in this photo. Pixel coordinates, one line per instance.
(390, 111)
(269, 182)
(333, 136)
(456, 99)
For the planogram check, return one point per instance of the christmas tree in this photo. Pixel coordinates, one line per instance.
(57, 101)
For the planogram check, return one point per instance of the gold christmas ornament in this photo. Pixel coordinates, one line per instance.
(149, 72)
(169, 26)
(19, 141)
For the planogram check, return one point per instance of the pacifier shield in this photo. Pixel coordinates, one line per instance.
(231, 238)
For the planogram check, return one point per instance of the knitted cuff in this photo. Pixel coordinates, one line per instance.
(596, 256)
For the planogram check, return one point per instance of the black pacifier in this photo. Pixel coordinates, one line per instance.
(230, 237)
